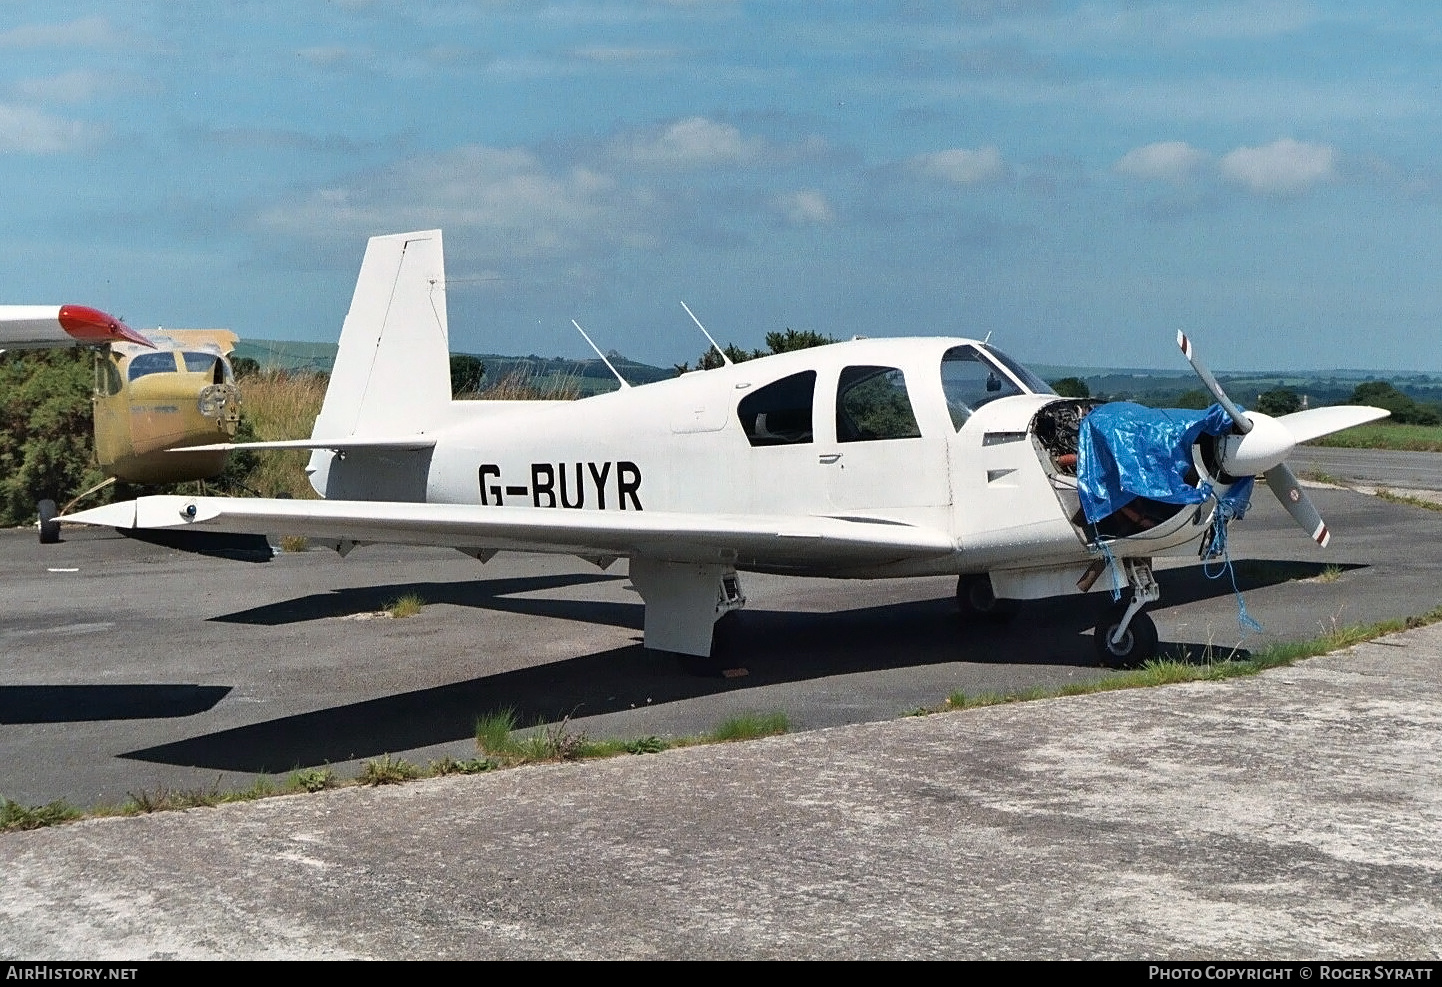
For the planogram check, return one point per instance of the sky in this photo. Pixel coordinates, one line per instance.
(1076, 180)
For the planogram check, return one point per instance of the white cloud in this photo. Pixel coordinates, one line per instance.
(1284, 167)
(961, 166)
(31, 132)
(695, 142)
(806, 207)
(505, 198)
(77, 86)
(1169, 161)
(89, 32)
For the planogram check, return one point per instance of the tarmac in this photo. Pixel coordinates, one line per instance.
(1291, 815)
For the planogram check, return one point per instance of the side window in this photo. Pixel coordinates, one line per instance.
(143, 364)
(871, 404)
(780, 413)
(970, 382)
(196, 362)
(107, 375)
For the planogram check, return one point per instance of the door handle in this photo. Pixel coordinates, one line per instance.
(830, 457)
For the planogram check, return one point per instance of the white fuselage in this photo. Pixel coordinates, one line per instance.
(684, 446)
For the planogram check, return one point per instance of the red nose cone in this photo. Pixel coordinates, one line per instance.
(90, 325)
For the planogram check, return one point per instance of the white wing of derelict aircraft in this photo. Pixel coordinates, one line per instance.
(866, 459)
(27, 327)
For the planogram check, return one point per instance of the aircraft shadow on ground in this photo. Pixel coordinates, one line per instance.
(775, 647)
(363, 599)
(87, 703)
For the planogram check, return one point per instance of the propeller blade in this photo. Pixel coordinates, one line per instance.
(1317, 422)
(1284, 484)
(1244, 425)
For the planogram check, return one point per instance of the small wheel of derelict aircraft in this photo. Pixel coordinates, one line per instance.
(1138, 642)
(976, 598)
(49, 527)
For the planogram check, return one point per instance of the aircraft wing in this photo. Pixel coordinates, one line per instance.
(759, 541)
(412, 444)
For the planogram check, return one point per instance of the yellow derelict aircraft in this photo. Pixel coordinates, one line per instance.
(863, 459)
(154, 392)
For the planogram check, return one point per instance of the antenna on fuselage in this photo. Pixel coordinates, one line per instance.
(600, 354)
(987, 339)
(724, 358)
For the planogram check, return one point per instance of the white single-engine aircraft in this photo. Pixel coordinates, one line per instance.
(863, 459)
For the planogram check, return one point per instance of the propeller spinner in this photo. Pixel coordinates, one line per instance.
(1261, 443)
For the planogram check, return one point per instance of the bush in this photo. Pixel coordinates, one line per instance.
(45, 439)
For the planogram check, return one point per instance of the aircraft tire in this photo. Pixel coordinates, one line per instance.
(1138, 644)
(49, 527)
(976, 599)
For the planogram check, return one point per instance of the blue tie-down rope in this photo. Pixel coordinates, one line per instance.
(1113, 568)
(1214, 545)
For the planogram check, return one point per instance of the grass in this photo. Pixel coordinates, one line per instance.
(387, 771)
(407, 606)
(750, 726)
(280, 405)
(522, 385)
(1210, 666)
(15, 817)
(1409, 438)
(1396, 498)
(504, 746)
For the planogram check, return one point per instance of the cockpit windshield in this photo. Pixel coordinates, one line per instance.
(144, 364)
(1028, 379)
(972, 377)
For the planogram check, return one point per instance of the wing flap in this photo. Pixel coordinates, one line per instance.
(745, 540)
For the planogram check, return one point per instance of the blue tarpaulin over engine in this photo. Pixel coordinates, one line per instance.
(1126, 451)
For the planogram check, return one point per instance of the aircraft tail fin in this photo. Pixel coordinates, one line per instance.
(392, 373)
(392, 376)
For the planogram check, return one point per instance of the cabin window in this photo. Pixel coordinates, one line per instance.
(872, 404)
(107, 376)
(199, 362)
(144, 364)
(970, 380)
(780, 413)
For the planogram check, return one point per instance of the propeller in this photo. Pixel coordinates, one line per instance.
(1261, 444)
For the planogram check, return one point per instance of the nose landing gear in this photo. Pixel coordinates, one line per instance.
(1126, 636)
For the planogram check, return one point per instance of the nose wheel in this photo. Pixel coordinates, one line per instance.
(1126, 636)
(1136, 643)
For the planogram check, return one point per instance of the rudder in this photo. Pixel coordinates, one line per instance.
(392, 376)
(392, 373)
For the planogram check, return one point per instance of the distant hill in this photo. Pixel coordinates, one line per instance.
(1132, 384)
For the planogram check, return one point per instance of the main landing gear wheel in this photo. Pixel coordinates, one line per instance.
(49, 527)
(975, 598)
(1137, 645)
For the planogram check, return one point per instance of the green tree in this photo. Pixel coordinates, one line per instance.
(467, 372)
(1196, 399)
(1405, 411)
(1071, 387)
(777, 342)
(793, 339)
(1279, 401)
(244, 366)
(45, 438)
